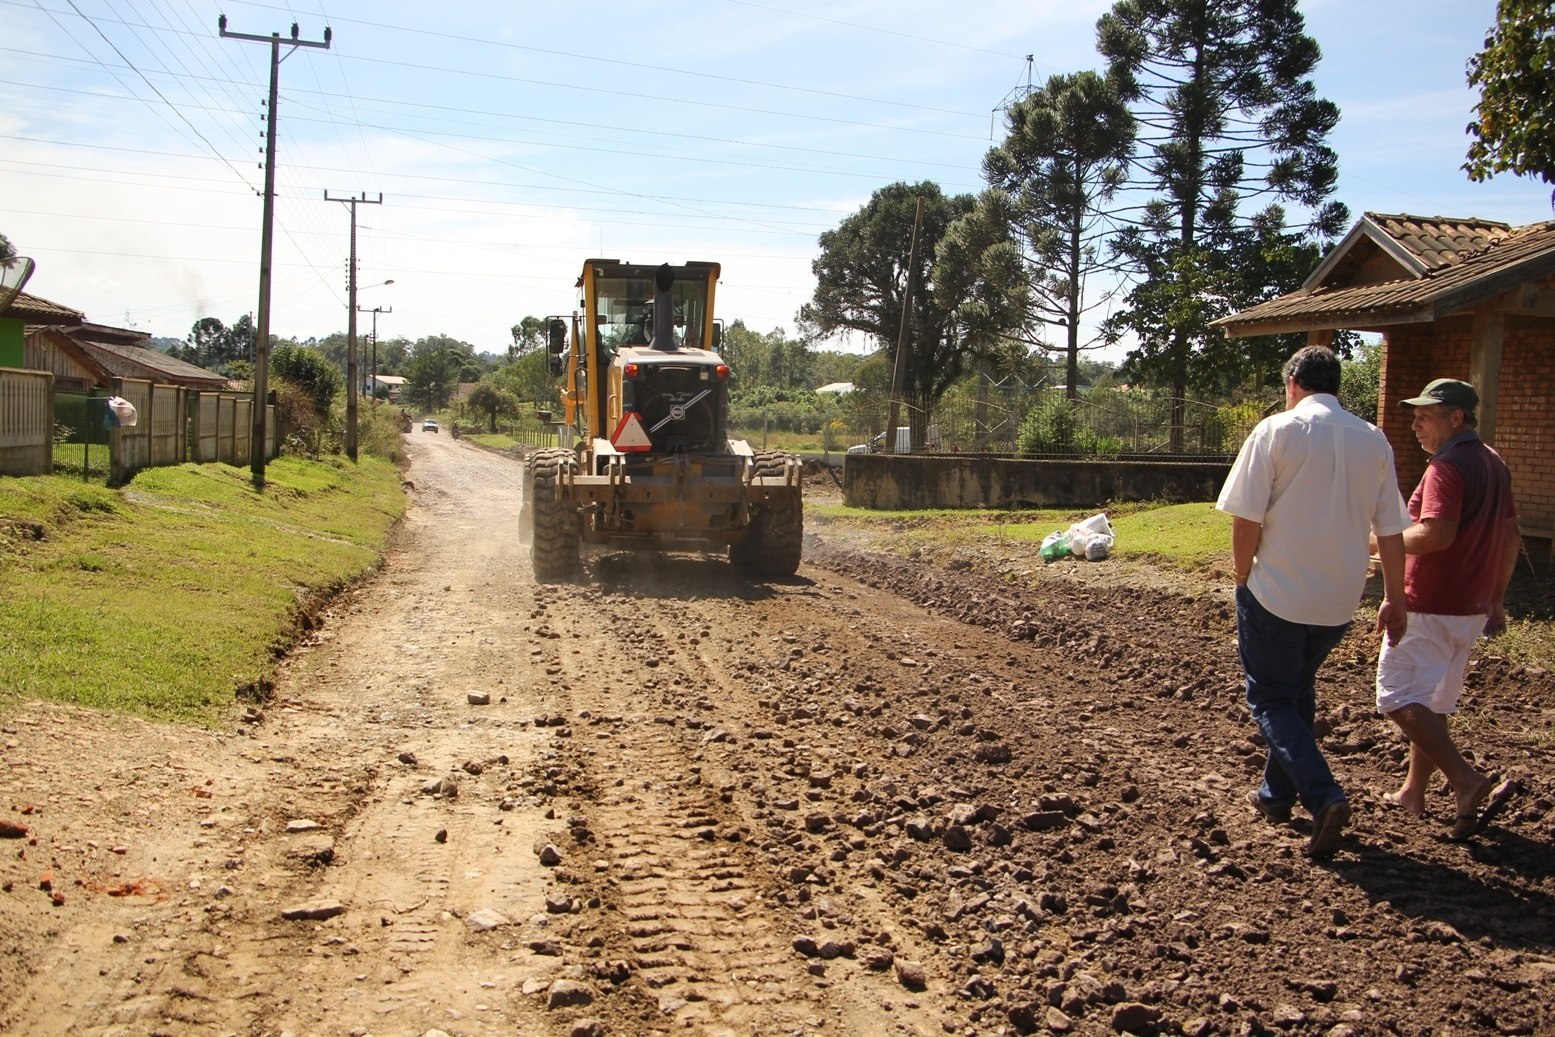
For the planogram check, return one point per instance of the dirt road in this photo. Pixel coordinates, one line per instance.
(876, 799)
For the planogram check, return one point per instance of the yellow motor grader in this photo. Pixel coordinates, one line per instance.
(647, 398)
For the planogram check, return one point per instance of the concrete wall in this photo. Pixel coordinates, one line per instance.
(887, 482)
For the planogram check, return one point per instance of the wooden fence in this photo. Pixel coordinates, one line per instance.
(26, 422)
(173, 425)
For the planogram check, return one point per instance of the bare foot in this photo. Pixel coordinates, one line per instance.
(1468, 807)
(1406, 800)
(1489, 808)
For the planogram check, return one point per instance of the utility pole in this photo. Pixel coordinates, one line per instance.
(351, 321)
(899, 372)
(375, 311)
(262, 343)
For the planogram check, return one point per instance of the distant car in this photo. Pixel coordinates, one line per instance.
(429, 425)
(903, 442)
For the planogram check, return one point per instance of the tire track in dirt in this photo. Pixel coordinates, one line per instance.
(689, 898)
(767, 800)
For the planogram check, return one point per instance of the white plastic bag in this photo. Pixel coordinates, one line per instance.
(1097, 524)
(121, 413)
(1088, 542)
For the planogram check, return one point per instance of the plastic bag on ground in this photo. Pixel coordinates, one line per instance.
(1096, 524)
(1088, 543)
(1055, 546)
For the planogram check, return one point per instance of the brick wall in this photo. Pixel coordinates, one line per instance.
(1415, 354)
(1524, 418)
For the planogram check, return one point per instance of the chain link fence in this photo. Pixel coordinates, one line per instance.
(81, 433)
(1010, 417)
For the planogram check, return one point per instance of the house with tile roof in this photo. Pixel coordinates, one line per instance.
(24, 312)
(1452, 298)
(83, 356)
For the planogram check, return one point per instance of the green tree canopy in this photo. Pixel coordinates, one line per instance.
(1063, 158)
(493, 401)
(1230, 125)
(770, 360)
(528, 380)
(861, 282)
(529, 334)
(311, 372)
(978, 266)
(437, 364)
(1514, 125)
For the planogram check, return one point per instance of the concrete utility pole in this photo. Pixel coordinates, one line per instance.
(372, 393)
(899, 372)
(351, 321)
(262, 343)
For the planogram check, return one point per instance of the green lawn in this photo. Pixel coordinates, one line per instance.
(1187, 536)
(162, 597)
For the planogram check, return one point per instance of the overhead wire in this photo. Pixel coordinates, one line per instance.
(295, 174)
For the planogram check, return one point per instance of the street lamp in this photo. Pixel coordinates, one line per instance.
(372, 393)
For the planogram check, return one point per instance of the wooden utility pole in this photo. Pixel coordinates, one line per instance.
(372, 393)
(262, 344)
(351, 321)
(899, 372)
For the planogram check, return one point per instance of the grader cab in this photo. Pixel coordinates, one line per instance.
(646, 395)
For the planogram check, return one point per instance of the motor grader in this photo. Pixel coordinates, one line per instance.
(646, 395)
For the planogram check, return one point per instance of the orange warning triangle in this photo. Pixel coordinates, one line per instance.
(630, 434)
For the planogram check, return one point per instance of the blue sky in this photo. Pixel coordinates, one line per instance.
(511, 141)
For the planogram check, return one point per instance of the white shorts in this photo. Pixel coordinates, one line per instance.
(1426, 667)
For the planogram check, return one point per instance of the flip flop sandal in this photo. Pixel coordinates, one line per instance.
(1467, 826)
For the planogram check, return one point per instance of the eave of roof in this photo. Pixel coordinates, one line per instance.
(146, 358)
(34, 309)
(1507, 260)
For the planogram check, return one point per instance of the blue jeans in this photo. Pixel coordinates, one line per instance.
(1281, 659)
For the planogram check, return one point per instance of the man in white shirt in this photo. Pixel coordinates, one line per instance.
(1308, 489)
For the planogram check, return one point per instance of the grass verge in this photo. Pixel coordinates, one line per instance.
(1185, 536)
(165, 597)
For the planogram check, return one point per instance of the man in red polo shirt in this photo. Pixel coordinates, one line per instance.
(1460, 552)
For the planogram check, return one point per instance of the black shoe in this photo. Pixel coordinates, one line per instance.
(1271, 813)
(1327, 830)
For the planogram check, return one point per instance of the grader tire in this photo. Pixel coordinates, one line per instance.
(526, 508)
(775, 543)
(553, 548)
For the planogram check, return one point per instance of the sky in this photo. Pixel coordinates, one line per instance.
(510, 142)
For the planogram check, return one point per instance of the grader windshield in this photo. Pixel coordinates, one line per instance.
(620, 297)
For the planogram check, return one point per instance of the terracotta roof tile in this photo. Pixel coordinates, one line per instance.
(1440, 241)
(1471, 260)
(33, 309)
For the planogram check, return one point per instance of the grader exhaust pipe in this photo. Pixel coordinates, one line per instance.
(663, 309)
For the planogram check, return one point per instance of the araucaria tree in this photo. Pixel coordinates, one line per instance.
(1063, 157)
(1230, 128)
(861, 282)
(1514, 126)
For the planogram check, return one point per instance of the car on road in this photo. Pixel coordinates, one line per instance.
(429, 425)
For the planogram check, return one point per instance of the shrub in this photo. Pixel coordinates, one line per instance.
(1048, 426)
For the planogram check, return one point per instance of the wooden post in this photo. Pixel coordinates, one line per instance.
(899, 372)
(1485, 366)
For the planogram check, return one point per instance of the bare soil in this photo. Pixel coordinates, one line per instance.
(884, 797)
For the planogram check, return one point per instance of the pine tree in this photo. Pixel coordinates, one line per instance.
(1230, 128)
(1063, 157)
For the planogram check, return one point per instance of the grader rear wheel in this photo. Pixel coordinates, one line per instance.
(553, 547)
(775, 543)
